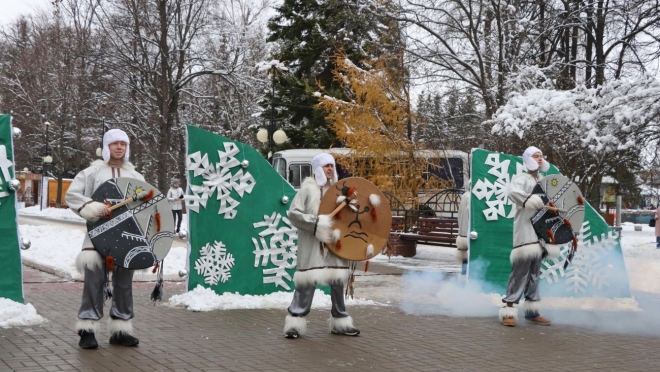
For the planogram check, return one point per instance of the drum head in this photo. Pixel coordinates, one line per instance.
(561, 192)
(138, 234)
(358, 227)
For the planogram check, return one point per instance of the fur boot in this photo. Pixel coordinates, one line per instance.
(120, 332)
(294, 326)
(343, 326)
(86, 329)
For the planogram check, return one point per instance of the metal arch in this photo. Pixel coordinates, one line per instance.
(443, 204)
(396, 206)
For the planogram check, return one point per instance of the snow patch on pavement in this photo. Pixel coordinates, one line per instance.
(14, 314)
(205, 299)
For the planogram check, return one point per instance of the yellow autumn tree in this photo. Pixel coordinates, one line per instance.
(374, 123)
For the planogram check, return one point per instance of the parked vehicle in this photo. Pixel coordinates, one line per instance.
(295, 165)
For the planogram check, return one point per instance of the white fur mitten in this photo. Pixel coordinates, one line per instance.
(92, 211)
(534, 203)
(324, 228)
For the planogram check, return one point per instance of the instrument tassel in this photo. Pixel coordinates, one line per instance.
(555, 212)
(146, 195)
(338, 245)
(157, 293)
(109, 262)
(567, 223)
(157, 221)
(551, 235)
(107, 292)
(366, 266)
(155, 267)
(374, 199)
(370, 251)
(580, 200)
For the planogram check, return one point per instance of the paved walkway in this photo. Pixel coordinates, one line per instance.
(174, 339)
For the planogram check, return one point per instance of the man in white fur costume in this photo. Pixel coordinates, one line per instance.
(89, 261)
(315, 263)
(528, 251)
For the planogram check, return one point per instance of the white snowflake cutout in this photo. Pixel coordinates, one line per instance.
(219, 179)
(281, 250)
(214, 263)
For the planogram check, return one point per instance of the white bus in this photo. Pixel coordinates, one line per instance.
(296, 165)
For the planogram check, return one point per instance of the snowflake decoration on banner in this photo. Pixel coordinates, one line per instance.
(5, 164)
(218, 178)
(281, 249)
(214, 263)
(494, 193)
(587, 267)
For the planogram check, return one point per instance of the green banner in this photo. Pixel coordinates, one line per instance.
(240, 237)
(597, 269)
(11, 280)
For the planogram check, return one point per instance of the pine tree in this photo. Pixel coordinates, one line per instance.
(309, 33)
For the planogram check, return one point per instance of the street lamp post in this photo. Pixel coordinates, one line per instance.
(270, 135)
(48, 160)
(99, 150)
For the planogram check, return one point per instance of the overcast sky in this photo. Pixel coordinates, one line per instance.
(11, 9)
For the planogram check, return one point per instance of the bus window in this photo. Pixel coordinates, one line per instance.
(298, 173)
(446, 169)
(342, 173)
(305, 171)
(280, 166)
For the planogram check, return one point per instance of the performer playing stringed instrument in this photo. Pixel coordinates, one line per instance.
(527, 252)
(89, 262)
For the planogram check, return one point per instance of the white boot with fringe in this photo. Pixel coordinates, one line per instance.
(294, 326)
(343, 326)
(508, 315)
(120, 332)
(87, 329)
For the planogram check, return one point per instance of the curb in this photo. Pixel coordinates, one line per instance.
(137, 277)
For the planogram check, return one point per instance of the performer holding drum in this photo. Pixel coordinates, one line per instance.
(315, 264)
(79, 198)
(527, 252)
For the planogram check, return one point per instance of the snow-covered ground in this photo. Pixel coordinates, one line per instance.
(54, 213)
(14, 314)
(204, 299)
(641, 257)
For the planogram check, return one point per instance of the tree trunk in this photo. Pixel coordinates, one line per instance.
(599, 43)
(588, 53)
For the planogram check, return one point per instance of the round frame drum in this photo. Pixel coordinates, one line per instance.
(360, 232)
(138, 234)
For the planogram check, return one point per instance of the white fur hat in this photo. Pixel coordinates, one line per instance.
(530, 163)
(112, 136)
(318, 162)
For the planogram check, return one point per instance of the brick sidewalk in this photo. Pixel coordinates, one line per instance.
(173, 339)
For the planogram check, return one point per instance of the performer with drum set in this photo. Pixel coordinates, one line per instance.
(527, 252)
(315, 263)
(89, 262)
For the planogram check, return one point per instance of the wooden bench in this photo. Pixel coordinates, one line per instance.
(433, 231)
(398, 224)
